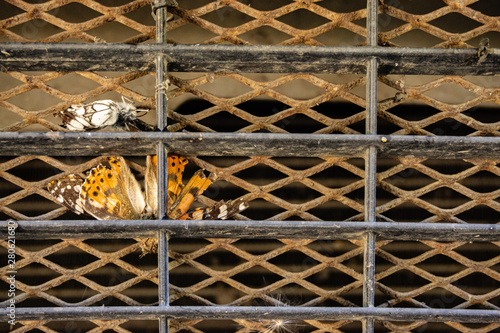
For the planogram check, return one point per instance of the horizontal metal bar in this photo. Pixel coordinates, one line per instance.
(246, 58)
(253, 313)
(57, 229)
(245, 144)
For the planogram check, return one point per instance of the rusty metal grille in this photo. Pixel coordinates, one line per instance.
(81, 21)
(60, 90)
(371, 169)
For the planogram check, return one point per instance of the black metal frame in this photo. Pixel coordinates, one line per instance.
(247, 59)
(444, 232)
(247, 144)
(372, 60)
(257, 313)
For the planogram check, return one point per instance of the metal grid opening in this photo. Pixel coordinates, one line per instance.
(371, 169)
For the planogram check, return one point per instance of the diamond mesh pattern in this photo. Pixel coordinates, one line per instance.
(21, 108)
(416, 274)
(105, 274)
(253, 22)
(294, 103)
(433, 192)
(283, 23)
(446, 275)
(279, 104)
(448, 23)
(64, 21)
(319, 193)
(449, 105)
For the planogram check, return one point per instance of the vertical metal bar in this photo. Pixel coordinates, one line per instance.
(371, 22)
(369, 250)
(369, 279)
(370, 184)
(371, 97)
(163, 280)
(163, 263)
(370, 194)
(371, 166)
(160, 13)
(162, 182)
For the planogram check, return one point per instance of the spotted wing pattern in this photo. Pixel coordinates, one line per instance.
(180, 197)
(175, 171)
(111, 192)
(189, 193)
(221, 210)
(66, 191)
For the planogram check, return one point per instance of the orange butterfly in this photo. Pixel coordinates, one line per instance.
(111, 192)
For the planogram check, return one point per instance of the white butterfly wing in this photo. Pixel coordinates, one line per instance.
(99, 114)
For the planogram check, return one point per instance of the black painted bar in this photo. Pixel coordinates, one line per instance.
(253, 313)
(57, 229)
(246, 58)
(245, 144)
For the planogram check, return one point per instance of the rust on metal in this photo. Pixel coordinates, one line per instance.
(281, 272)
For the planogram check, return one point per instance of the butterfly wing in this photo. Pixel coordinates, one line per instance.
(175, 170)
(128, 182)
(221, 210)
(111, 192)
(177, 200)
(66, 190)
(194, 188)
(91, 116)
(151, 185)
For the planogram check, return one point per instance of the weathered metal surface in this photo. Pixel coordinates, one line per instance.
(253, 230)
(246, 59)
(256, 313)
(247, 144)
(433, 223)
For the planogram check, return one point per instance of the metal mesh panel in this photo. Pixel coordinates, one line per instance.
(23, 110)
(438, 191)
(436, 267)
(293, 103)
(82, 21)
